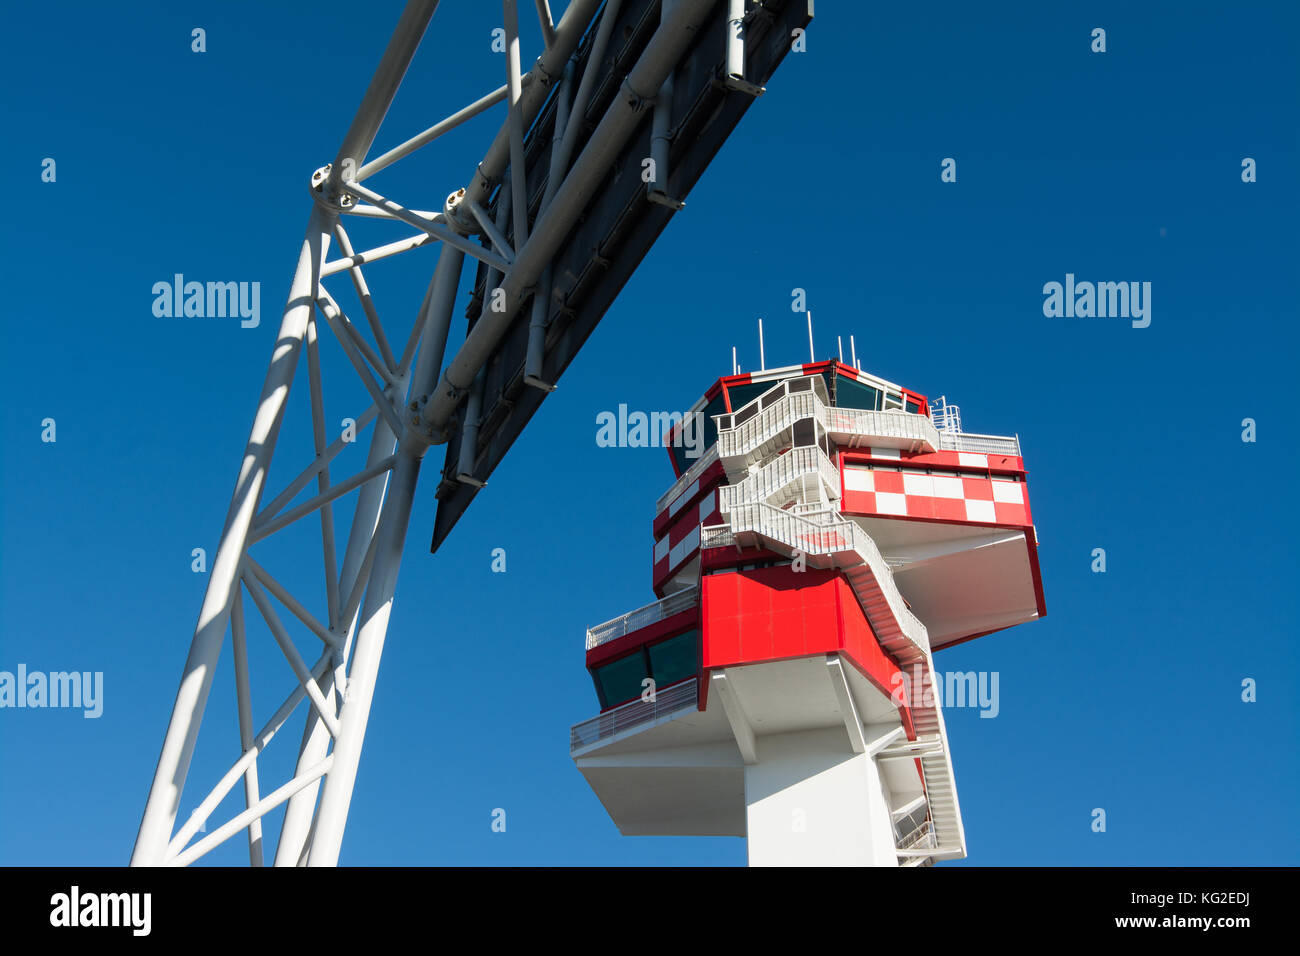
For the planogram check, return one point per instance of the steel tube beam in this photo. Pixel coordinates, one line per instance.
(367, 302)
(364, 211)
(295, 830)
(492, 232)
(535, 352)
(312, 470)
(545, 21)
(379, 252)
(381, 367)
(253, 813)
(432, 133)
(224, 785)
(336, 793)
(578, 110)
(299, 666)
(289, 601)
(239, 645)
(196, 681)
(519, 179)
(661, 126)
(568, 33)
(311, 504)
(328, 552)
(736, 39)
(639, 90)
(434, 229)
(469, 433)
(383, 87)
(735, 66)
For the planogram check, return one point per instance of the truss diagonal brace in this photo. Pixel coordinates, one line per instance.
(438, 231)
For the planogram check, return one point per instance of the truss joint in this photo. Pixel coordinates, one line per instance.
(334, 201)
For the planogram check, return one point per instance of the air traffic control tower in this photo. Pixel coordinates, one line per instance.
(834, 533)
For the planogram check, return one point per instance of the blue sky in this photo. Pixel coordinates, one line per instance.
(1115, 166)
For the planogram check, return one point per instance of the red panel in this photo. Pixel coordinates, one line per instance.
(891, 482)
(767, 614)
(977, 489)
(920, 506)
(949, 509)
(859, 502)
(1009, 513)
(859, 641)
(772, 614)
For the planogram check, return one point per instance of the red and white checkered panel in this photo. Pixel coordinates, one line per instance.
(682, 541)
(968, 498)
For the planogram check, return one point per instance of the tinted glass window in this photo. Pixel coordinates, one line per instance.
(914, 407)
(674, 659)
(851, 394)
(744, 394)
(680, 459)
(620, 680)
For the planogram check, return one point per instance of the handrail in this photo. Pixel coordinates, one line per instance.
(642, 617)
(738, 440)
(813, 385)
(688, 476)
(745, 437)
(980, 444)
(920, 837)
(671, 700)
(883, 423)
(777, 474)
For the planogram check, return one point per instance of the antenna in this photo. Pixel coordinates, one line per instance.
(854, 352)
(762, 359)
(812, 357)
(735, 369)
(839, 342)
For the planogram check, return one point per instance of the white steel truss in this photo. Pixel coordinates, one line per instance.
(413, 398)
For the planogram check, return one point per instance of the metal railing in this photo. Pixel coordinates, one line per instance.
(779, 473)
(780, 411)
(946, 415)
(921, 837)
(679, 697)
(716, 536)
(890, 423)
(688, 476)
(980, 444)
(762, 427)
(642, 617)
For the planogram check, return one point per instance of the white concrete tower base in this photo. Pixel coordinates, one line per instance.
(810, 801)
